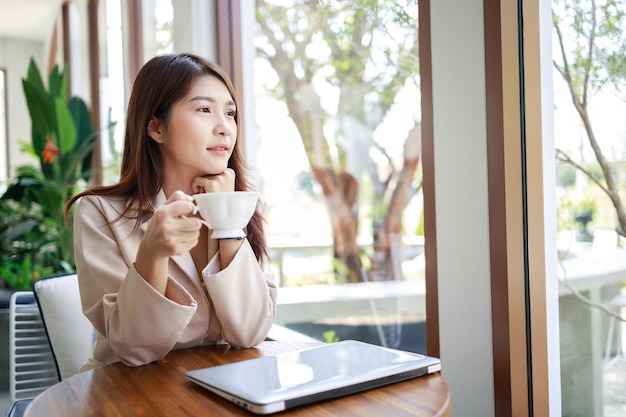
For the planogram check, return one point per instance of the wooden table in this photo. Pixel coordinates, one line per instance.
(162, 389)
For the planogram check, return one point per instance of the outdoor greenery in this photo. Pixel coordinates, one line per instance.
(571, 213)
(34, 237)
(591, 59)
(364, 54)
(330, 336)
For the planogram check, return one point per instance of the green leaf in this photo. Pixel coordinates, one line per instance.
(77, 167)
(41, 113)
(54, 82)
(18, 230)
(51, 197)
(33, 76)
(84, 130)
(66, 131)
(27, 177)
(82, 118)
(57, 84)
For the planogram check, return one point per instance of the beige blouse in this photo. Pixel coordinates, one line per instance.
(138, 325)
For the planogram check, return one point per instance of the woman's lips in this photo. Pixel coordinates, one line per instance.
(219, 149)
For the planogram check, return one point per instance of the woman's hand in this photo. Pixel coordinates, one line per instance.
(223, 182)
(172, 230)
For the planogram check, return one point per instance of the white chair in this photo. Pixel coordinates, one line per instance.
(70, 333)
(50, 338)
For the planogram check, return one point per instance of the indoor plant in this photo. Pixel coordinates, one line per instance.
(34, 237)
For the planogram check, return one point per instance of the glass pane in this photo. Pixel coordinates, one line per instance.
(164, 18)
(590, 71)
(338, 113)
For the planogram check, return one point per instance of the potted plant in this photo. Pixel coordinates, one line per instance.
(583, 216)
(34, 237)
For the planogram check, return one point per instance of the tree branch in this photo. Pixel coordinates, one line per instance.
(564, 157)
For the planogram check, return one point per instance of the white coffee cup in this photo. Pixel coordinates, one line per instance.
(226, 213)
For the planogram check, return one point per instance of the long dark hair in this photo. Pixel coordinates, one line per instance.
(160, 83)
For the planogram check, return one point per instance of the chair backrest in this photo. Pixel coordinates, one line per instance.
(70, 333)
(31, 365)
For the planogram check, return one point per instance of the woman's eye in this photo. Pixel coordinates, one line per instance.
(231, 113)
(205, 110)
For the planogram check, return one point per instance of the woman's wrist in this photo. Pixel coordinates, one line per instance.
(228, 249)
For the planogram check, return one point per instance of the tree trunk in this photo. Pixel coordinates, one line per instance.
(340, 192)
(386, 259)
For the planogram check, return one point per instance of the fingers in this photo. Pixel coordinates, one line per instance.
(224, 182)
(180, 204)
(170, 231)
(179, 195)
(169, 241)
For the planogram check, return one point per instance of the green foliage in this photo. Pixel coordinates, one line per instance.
(35, 239)
(330, 336)
(343, 273)
(567, 211)
(591, 59)
(341, 68)
(596, 171)
(419, 231)
(304, 182)
(586, 205)
(29, 236)
(62, 134)
(565, 175)
(596, 43)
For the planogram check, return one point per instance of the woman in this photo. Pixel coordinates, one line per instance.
(151, 279)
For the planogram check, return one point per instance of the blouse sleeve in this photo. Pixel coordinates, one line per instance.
(140, 324)
(244, 297)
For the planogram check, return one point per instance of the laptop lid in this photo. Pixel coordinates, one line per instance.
(275, 383)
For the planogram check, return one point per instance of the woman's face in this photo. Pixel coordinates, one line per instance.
(201, 133)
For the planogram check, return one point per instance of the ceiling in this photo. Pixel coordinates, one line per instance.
(28, 19)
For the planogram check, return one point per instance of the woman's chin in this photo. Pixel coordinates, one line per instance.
(214, 170)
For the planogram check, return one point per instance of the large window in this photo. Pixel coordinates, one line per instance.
(338, 115)
(589, 138)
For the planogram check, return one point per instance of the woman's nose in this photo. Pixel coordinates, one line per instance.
(223, 127)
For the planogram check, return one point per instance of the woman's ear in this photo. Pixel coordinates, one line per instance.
(156, 130)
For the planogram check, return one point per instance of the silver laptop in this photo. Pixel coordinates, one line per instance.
(275, 383)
